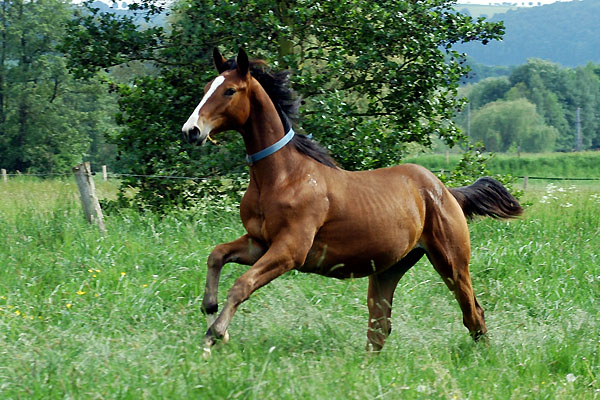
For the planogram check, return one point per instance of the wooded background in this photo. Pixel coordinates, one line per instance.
(86, 82)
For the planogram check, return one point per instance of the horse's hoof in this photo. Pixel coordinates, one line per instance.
(479, 336)
(209, 342)
(206, 353)
(482, 339)
(373, 349)
(225, 337)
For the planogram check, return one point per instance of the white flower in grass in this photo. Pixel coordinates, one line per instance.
(571, 378)
(567, 205)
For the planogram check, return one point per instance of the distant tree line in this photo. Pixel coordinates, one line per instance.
(534, 109)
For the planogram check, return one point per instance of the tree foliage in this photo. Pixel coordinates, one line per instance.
(512, 125)
(47, 120)
(556, 93)
(373, 75)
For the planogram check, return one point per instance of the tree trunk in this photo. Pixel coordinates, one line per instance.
(23, 109)
(286, 46)
(3, 48)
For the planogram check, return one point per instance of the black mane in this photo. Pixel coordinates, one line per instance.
(287, 103)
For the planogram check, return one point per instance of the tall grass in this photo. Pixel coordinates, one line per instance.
(87, 316)
(551, 165)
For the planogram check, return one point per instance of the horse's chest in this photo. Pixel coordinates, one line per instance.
(252, 216)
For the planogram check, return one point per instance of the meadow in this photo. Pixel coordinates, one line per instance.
(118, 316)
(579, 165)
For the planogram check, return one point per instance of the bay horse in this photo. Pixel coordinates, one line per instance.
(301, 211)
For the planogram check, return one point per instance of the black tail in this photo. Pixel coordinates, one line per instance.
(487, 197)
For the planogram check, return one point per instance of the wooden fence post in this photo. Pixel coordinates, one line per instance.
(525, 182)
(4, 177)
(89, 200)
(104, 173)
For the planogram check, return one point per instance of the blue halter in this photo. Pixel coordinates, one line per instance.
(253, 158)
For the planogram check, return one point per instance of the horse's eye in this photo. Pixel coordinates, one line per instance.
(229, 92)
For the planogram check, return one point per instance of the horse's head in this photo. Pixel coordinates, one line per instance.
(226, 103)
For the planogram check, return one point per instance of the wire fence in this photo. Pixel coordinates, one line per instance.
(545, 178)
(117, 175)
(108, 175)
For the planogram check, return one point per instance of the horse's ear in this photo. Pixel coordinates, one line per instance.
(243, 64)
(219, 60)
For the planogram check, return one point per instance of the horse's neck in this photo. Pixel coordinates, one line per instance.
(275, 169)
(263, 129)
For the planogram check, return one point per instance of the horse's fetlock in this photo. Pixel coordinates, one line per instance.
(210, 308)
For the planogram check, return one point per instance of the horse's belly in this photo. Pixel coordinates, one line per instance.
(357, 257)
(375, 221)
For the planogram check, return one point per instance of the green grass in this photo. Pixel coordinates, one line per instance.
(551, 165)
(86, 316)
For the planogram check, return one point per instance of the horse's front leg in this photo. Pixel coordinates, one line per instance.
(244, 251)
(281, 257)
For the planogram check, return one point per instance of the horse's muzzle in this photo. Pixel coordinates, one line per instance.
(193, 136)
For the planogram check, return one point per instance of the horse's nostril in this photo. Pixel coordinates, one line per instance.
(193, 135)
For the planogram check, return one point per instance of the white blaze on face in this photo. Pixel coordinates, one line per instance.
(193, 119)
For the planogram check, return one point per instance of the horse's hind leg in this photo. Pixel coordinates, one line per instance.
(379, 299)
(450, 258)
(242, 251)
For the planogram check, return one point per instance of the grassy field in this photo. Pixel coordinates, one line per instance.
(118, 317)
(551, 165)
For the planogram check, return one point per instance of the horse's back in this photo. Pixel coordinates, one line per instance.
(402, 185)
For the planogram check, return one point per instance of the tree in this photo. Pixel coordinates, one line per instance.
(47, 120)
(557, 93)
(487, 91)
(374, 76)
(586, 90)
(512, 125)
(548, 86)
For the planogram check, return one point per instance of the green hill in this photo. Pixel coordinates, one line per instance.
(480, 10)
(564, 32)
